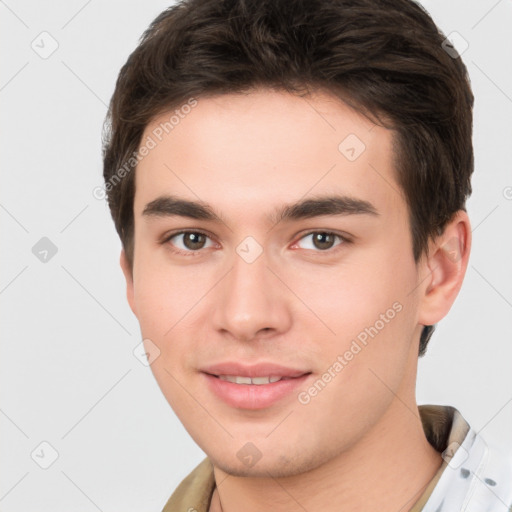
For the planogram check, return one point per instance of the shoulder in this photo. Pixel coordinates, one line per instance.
(476, 477)
(488, 472)
(493, 485)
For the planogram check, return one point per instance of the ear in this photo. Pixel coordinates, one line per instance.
(128, 275)
(445, 268)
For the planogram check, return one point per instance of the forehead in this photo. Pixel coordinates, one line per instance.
(247, 152)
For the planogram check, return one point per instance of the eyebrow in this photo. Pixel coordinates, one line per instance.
(167, 206)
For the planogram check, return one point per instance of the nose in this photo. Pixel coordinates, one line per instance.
(250, 302)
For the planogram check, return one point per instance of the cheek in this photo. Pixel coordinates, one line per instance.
(361, 368)
(163, 295)
(362, 290)
(368, 317)
(173, 308)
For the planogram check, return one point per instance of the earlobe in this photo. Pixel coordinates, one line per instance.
(445, 267)
(128, 275)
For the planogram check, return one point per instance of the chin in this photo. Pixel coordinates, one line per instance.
(280, 467)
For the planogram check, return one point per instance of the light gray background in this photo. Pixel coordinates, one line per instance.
(68, 373)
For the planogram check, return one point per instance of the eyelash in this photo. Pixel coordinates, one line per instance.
(343, 241)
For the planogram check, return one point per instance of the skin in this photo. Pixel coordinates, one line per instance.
(359, 443)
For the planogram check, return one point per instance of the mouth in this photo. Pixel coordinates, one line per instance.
(257, 381)
(256, 392)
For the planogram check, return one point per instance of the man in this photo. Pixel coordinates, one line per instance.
(288, 179)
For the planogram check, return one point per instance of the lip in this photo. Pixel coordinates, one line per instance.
(254, 370)
(252, 396)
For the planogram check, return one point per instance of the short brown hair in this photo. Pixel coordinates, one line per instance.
(384, 58)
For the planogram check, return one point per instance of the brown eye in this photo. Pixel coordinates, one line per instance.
(321, 240)
(189, 241)
(193, 240)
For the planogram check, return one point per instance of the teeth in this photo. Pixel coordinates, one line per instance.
(248, 380)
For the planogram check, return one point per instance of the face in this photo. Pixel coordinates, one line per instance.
(271, 240)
